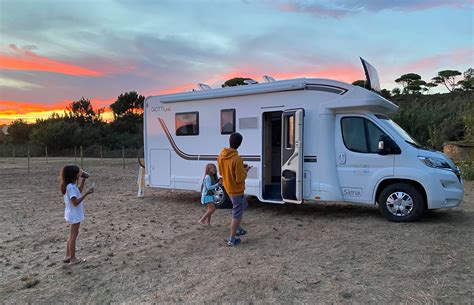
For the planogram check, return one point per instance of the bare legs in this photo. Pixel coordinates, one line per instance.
(206, 218)
(234, 225)
(71, 243)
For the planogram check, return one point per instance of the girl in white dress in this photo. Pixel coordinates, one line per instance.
(74, 206)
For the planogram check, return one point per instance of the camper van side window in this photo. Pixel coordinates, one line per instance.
(353, 134)
(360, 135)
(187, 123)
(227, 121)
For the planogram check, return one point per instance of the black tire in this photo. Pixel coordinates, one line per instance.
(401, 202)
(222, 200)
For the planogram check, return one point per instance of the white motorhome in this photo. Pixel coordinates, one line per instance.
(307, 140)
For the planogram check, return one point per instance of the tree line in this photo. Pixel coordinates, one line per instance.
(431, 118)
(413, 84)
(83, 125)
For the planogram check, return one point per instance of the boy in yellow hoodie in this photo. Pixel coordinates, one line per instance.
(234, 173)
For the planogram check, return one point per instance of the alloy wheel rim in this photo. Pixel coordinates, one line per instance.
(399, 204)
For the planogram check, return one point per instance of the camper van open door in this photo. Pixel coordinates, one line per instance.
(292, 156)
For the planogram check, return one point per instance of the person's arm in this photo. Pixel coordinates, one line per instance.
(76, 201)
(81, 185)
(240, 171)
(208, 183)
(76, 197)
(212, 186)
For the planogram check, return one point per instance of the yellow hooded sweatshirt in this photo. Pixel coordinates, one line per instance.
(231, 168)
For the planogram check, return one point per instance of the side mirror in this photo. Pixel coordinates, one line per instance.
(387, 146)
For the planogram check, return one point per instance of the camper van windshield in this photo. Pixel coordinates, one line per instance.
(409, 139)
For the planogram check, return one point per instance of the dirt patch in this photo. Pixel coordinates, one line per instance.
(152, 250)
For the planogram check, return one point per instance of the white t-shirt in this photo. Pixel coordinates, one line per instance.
(73, 214)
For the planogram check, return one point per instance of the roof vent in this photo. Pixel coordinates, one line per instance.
(204, 87)
(250, 82)
(268, 79)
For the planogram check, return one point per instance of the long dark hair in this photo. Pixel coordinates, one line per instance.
(208, 171)
(68, 175)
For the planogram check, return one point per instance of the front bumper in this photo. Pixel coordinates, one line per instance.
(444, 190)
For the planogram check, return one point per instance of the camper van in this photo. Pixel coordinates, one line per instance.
(308, 140)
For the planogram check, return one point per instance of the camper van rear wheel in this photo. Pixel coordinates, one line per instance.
(221, 199)
(401, 202)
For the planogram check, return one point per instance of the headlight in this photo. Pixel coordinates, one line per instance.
(435, 162)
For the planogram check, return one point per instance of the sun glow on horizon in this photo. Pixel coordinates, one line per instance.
(31, 117)
(30, 111)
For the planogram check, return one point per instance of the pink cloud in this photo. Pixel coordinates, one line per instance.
(442, 60)
(343, 72)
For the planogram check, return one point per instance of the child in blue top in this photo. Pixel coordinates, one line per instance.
(210, 183)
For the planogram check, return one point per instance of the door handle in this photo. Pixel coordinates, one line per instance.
(341, 159)
(292, 157)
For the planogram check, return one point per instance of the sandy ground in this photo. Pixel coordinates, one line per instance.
(151, 250)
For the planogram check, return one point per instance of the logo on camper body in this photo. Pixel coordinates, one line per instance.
(351, 191)
(160, 109)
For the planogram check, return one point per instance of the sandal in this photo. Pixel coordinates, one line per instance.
(233, 241)
(240, 231)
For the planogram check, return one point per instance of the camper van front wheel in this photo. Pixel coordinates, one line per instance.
(401, 202)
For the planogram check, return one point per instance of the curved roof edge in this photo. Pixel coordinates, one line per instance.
(277, 86)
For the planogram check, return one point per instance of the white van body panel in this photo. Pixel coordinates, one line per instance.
(359, 172)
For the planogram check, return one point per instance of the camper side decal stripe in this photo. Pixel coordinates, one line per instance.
(186, 156)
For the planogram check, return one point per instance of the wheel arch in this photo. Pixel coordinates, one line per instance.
(384, 183)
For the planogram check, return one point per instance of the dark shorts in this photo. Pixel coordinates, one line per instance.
(239, 204)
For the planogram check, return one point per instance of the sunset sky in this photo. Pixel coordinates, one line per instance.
(53, 52)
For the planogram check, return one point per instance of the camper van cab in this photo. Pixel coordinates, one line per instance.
(307, 140)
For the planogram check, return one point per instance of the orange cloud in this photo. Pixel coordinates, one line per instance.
(29, 61)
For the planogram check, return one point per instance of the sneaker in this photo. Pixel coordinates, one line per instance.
(240, 231)
(233, 241)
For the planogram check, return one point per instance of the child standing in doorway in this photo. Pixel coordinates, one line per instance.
(210, 183)
(74, 206)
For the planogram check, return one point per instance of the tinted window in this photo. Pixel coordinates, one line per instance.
(187, 123)
(360, 134)
(353, 133)
(374, 134)
(227, 121)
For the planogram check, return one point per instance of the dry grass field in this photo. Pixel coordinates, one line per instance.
(151, 250)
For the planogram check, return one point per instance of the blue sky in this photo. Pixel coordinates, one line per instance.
(52, 52)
